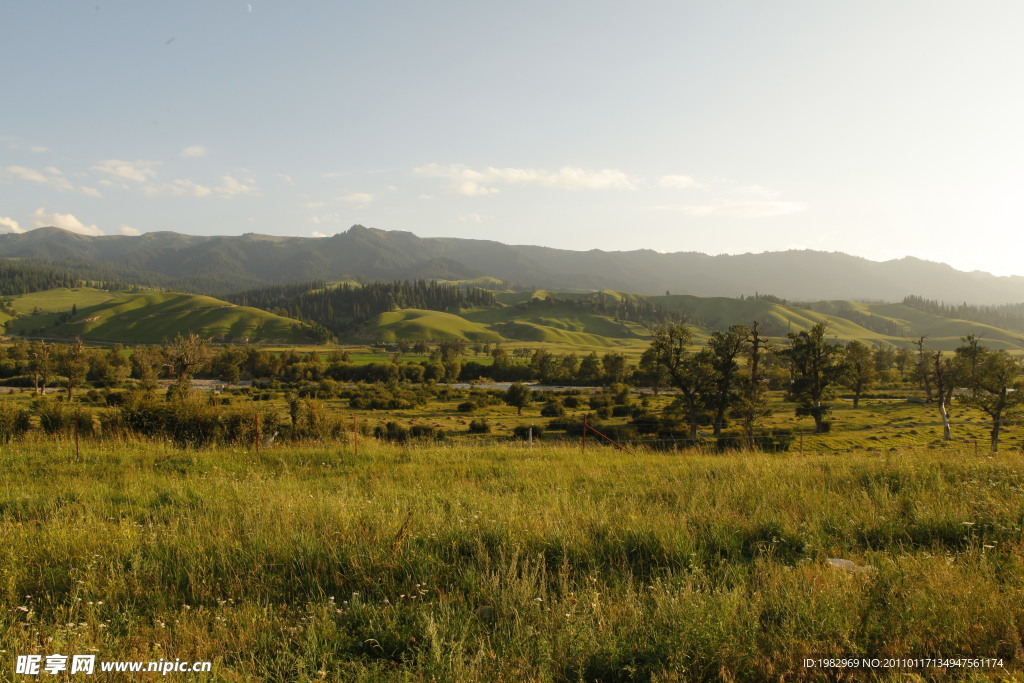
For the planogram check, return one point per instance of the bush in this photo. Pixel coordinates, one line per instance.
(53, 419)
(553, 409)
(467, 407)
(14, 421)
(392, 431)
(523, 432)
(426, 432)
(479, 426)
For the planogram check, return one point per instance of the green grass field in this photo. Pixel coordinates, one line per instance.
(504, 563)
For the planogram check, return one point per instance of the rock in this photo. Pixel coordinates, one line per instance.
(849, 565)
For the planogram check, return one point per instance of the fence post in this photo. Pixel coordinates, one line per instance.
(583, 443)
(531, 436)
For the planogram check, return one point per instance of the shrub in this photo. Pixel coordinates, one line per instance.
(426, 432)
(467, 407)
(479, 426)
(523, 432)
(392, 431)
(14, 421)
(553, 409)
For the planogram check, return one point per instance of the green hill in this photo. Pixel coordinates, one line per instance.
(152, 317)
(411, 324)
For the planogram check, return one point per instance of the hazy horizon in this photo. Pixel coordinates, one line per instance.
(878, 130)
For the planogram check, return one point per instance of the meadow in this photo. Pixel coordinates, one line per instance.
(503, 562)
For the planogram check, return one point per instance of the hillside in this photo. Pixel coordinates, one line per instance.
(569, 319)
(412, 324)
(225, 264)
(150, 317)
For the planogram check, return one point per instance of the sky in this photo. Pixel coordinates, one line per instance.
(876, 128)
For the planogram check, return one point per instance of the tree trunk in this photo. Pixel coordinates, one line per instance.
(819, 424)
(946, 436)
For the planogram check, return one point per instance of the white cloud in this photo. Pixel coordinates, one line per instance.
(357, 198)
(472, 218)
(468, 181)
(39, 149)
(471, 189)
(424, 196)
(677, 181)
(23, 173)
(139, 171)
(91, 191)
(9, 225)
(230, 187)
(194, 152)
(287, 178)
(187, 187)
(179, 188)
(317, 233)
(739, 209)
(127, 230)
(53, 177)
(325, 218)
(315, 205)
(68, 222)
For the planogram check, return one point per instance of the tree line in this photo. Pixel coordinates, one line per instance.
(1005, 316)
(712, 385)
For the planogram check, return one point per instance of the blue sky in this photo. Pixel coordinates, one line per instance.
(876, 128)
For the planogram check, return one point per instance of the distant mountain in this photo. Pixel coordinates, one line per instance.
(219, 265)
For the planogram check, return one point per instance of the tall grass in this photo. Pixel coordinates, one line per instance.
(452, 563)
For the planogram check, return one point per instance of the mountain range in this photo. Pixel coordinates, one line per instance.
(219, 265)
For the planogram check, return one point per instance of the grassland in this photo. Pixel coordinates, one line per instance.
(149, 317)
(504, 563)
(412, 324)
(516, 318)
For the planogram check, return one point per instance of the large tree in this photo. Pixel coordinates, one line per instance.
(753, 402)
(816, 365)
(73, 364)
(40, 364)
(858, 369)
(518, 396)
(994, 384)
(724, 349)
(184, 356)
(690, 373)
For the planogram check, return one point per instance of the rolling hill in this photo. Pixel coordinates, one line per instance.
(149, 317)
(412, 324)
(592, 320)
